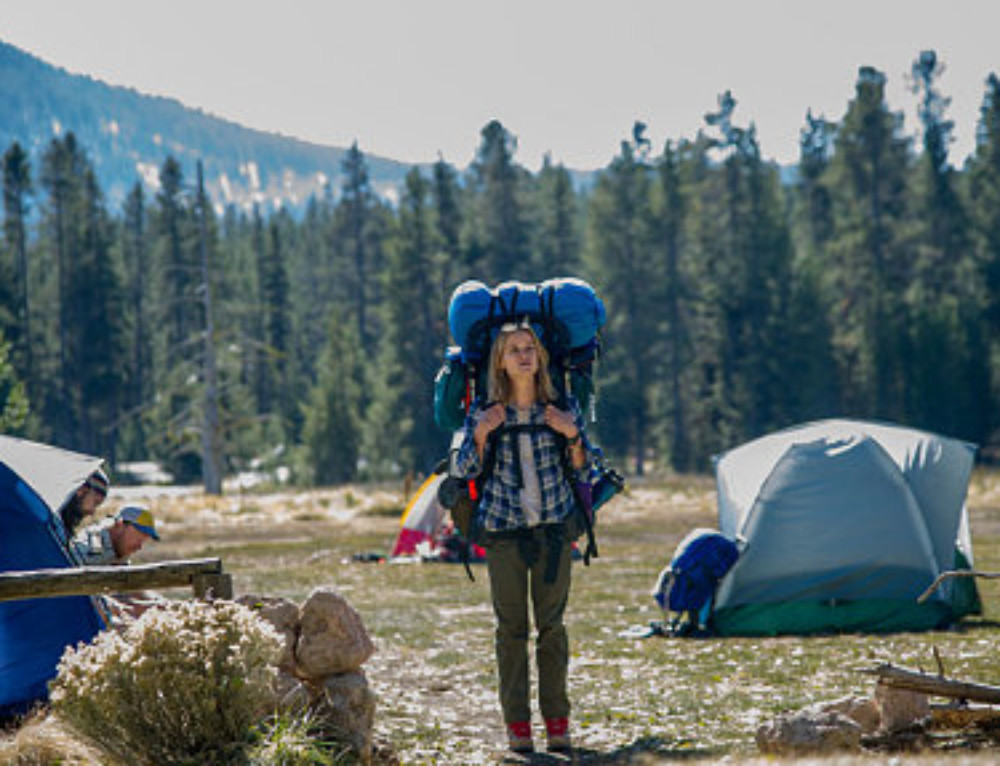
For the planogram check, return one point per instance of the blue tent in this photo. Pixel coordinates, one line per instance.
(35, 481)
(844, 523)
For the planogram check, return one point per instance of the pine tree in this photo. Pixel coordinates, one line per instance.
(310, 258)
(177, 420)
(17, 186)
(139, 357)
(83, 405)
(621, 255)
(742, 263)
(448, 221)
(278, 325)
(983, 181)
(358, 234)
(61, 180)
(557, 241)
(212, 444)
(949, 360)
(676, 294)
(247, 432)
(97, 330)
(814, 209)
(937, 209)
(869, 264)
(500, 225)
(14, 409)
(312, 284)
(263, 368)
(331, 428)
(401, 431)
(812, 389)
(177, 269)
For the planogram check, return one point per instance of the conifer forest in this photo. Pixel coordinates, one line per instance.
(866, 284)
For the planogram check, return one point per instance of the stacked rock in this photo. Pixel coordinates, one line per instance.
(319, 671)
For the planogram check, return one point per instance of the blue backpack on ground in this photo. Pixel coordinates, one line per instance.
(687, 586)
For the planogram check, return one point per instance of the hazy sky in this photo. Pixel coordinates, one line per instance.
(410, 79)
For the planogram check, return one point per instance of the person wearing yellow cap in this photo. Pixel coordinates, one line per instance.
(115, 540)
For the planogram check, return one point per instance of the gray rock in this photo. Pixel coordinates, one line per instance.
(806, 732)
(290, 693)
(332, 639)
(346, 705)
(862, 710)
(283, 615)
(900, 708)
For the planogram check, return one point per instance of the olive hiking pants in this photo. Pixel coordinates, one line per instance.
(535, 563)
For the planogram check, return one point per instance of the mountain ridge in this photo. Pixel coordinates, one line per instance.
(128, 135)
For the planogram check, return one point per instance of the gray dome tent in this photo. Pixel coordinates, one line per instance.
(844, 524)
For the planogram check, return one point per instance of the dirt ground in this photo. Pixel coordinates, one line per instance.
(635, 702)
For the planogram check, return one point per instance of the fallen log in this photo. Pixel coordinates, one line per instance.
(955, 573)
(202, 575)
(938, 686)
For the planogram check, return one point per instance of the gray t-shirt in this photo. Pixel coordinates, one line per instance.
(531, 493)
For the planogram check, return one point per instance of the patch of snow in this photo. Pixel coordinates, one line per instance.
(391, 195)
(227, 189)
(254, 174)
(149, 174)
(153, 492)
(146, 471)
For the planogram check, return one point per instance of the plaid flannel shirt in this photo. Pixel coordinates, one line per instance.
(500, 507)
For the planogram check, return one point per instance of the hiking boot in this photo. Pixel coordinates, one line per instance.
(519, 737)
(557, 730)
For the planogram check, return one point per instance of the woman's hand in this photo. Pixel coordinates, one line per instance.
(491, 419)
(564, 423)
(561, 422)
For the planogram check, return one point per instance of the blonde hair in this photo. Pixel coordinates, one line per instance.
(498, 386)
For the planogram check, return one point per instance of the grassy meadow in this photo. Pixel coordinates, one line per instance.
(635, 701)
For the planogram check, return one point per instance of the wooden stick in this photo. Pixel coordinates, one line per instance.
(901, 678)
(957, 573)
(88, 581)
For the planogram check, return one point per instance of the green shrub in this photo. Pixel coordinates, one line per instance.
(185, 684)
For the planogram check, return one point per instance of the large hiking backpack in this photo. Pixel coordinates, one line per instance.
(566, 314)
(687, 585)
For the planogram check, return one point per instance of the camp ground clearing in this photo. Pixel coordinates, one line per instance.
(635, 701)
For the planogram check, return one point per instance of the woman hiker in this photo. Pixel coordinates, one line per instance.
(528, 517)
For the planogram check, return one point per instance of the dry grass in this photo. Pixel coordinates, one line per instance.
(44, 741)
(647, 701)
